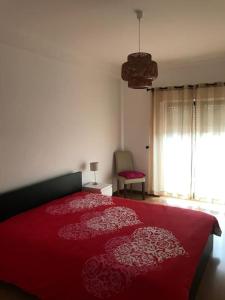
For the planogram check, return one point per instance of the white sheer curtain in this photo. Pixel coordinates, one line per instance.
(209, 151)
(171, 163)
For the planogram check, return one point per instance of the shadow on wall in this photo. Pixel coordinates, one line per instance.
(114, 181)
(83, 166)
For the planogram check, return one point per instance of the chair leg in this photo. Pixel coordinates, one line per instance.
(131, 188)
(143, 190)
(125, 191)
(118, 187)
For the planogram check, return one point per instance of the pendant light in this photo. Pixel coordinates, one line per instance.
(140, 70)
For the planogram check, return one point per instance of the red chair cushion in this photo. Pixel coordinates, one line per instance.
(131, 174)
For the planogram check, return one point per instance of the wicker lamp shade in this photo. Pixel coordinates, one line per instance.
(140, 70)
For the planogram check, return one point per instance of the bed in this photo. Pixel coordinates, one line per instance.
(58, 242)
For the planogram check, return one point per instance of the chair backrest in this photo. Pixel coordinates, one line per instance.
(124, 161)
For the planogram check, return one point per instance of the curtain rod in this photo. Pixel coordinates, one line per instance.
(187, 86)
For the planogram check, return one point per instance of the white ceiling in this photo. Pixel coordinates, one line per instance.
(172, 30)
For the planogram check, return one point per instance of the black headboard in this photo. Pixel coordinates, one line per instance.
(17, 201)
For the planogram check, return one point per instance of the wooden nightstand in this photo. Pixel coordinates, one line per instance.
(100, 188)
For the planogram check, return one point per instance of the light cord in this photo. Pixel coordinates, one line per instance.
(139, 33)
(139, 14)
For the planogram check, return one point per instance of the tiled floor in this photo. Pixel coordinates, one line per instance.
(213, 283)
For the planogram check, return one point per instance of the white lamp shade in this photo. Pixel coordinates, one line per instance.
(94, 166)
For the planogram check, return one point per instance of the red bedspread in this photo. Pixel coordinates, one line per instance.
(88, 246)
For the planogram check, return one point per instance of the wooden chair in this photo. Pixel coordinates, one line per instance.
(126, 173)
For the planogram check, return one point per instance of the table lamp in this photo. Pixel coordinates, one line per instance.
(94, 168)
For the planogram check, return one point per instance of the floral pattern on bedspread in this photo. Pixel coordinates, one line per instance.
(98, 223)
(79, 204)
(127, 257)
(100, 247)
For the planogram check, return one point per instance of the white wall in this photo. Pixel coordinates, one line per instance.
(136, 125)
(192, 73)
(55, 116)
(136, 103)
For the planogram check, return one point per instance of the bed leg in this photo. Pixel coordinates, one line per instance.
(125, 191)
(143, 190)
(118, 187)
